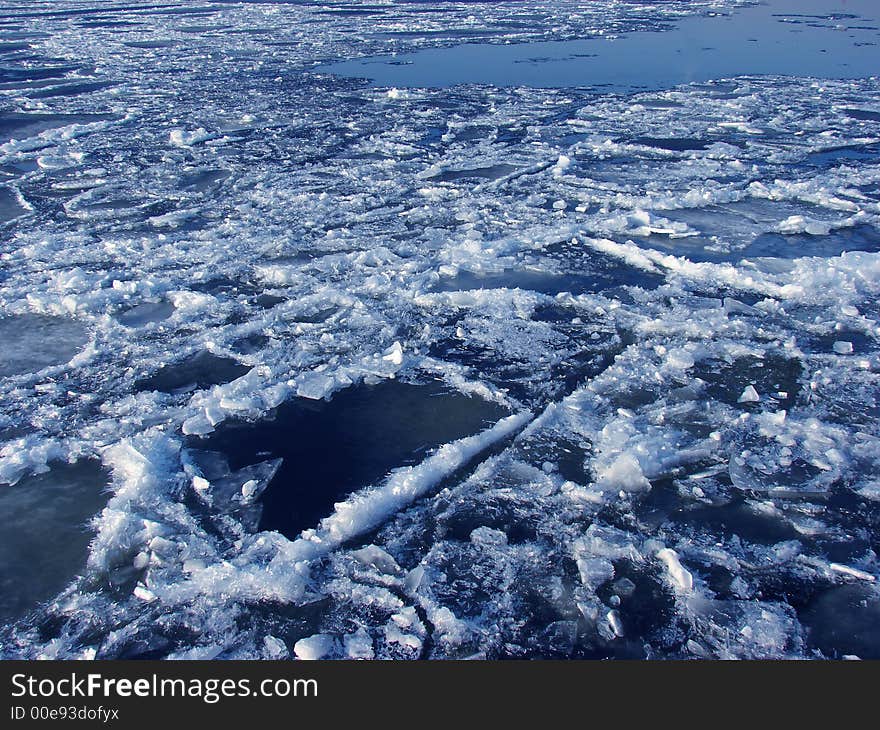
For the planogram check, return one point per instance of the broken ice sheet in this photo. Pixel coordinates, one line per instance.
(236, 493)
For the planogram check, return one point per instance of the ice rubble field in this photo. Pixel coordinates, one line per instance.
(624, 348)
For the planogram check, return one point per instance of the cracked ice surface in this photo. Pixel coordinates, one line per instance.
(668, 300)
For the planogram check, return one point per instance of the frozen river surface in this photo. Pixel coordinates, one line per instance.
(443, 330)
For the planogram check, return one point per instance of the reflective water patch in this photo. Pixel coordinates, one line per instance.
(331, 448)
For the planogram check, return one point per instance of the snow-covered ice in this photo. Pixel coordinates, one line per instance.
(294, 365)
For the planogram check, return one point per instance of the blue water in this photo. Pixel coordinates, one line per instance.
(821, 38)
(235, 292)
(330, 448)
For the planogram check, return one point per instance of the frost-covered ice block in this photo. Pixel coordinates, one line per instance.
(623, 474)
(45, 524)
(680, 577)
(314, 386)
(188, 138)
(331, 448)
(31, 342)
(317, 646)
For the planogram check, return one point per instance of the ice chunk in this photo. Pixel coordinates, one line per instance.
(799, 223)
(316, 646)
(607, 542)
(680, 358)
(314, 385)
(678, 574)
(394, 354)
(853, 572)
(749, 395)
(144, 593)
(197, 425)
(593, 571)
(842, 347)
(405, 629)
(358, 645)
(275, 647)
(233, 492)
(183, 138)
(376, 557)
(624, 473)
(488, 536)
(414, 579)
(146, 313)
(562, 164)
(614, 622)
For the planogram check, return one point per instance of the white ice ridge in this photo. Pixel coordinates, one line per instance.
(680, 577)
(368, 508)
(184, 563)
